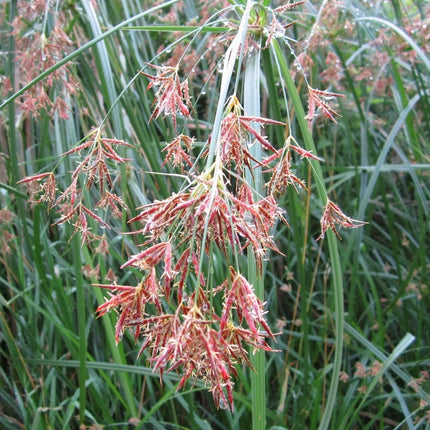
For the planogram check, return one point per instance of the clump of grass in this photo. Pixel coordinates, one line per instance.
(213, 166)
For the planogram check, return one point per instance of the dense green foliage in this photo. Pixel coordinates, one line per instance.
(353, 315)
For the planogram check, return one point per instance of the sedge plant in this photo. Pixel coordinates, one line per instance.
(201, 231)
(222, 208)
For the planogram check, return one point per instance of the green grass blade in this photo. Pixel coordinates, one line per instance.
(331, 239)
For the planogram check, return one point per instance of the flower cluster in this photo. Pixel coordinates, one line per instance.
(318, 100)
(92, 171)
(333, 216)
(38, 49)
(188, 322)
(238, 133)
(216, 210)
(195, 339)
(172, 95)
(283, 174)
(203, 331)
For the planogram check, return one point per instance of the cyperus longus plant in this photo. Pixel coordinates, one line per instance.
(227, 208)
(188, 324)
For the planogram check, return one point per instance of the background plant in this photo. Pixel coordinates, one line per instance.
(375, 161)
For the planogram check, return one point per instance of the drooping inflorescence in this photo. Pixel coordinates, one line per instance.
(188, 322)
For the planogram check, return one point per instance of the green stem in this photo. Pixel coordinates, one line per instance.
(331, 239)
(80, 303)
(258, 359)
(178, 28)
(213, 161)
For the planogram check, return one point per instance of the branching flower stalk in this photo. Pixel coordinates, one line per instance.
(196, 339)
(185, 323)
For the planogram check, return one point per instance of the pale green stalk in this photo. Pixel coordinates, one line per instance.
(254, 179)
(213, 162)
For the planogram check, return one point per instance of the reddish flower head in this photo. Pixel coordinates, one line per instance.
(172, 95)
(333, 217)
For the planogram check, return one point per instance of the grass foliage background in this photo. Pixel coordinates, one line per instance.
(57, 357)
